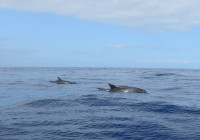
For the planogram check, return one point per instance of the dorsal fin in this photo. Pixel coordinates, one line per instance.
(59, 79)
(112, 86)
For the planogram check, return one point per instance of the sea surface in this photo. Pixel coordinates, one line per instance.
(32, 108)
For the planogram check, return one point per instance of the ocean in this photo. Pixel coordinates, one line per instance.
(32, 108)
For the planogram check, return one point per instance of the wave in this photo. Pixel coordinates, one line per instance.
(119, 103)
(162, 107)
(49, 103)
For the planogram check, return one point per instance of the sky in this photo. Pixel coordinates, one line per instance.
(100, 33)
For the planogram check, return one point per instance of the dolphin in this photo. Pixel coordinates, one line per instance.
(60, 81)
(124, 89)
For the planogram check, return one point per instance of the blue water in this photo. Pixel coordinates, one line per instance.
(32, 108)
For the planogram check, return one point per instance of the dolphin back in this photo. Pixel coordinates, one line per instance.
(125, 89)
(60, 81)
(112, 86)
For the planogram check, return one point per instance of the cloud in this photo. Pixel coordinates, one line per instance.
(4, 41)
(173, 61)
(11, 52)
(149, 14)
(118, 46)
(151, 48)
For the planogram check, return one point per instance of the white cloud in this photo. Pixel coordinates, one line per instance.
(153, 14)
(4, 41)
(173, 61)
(118, 46)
